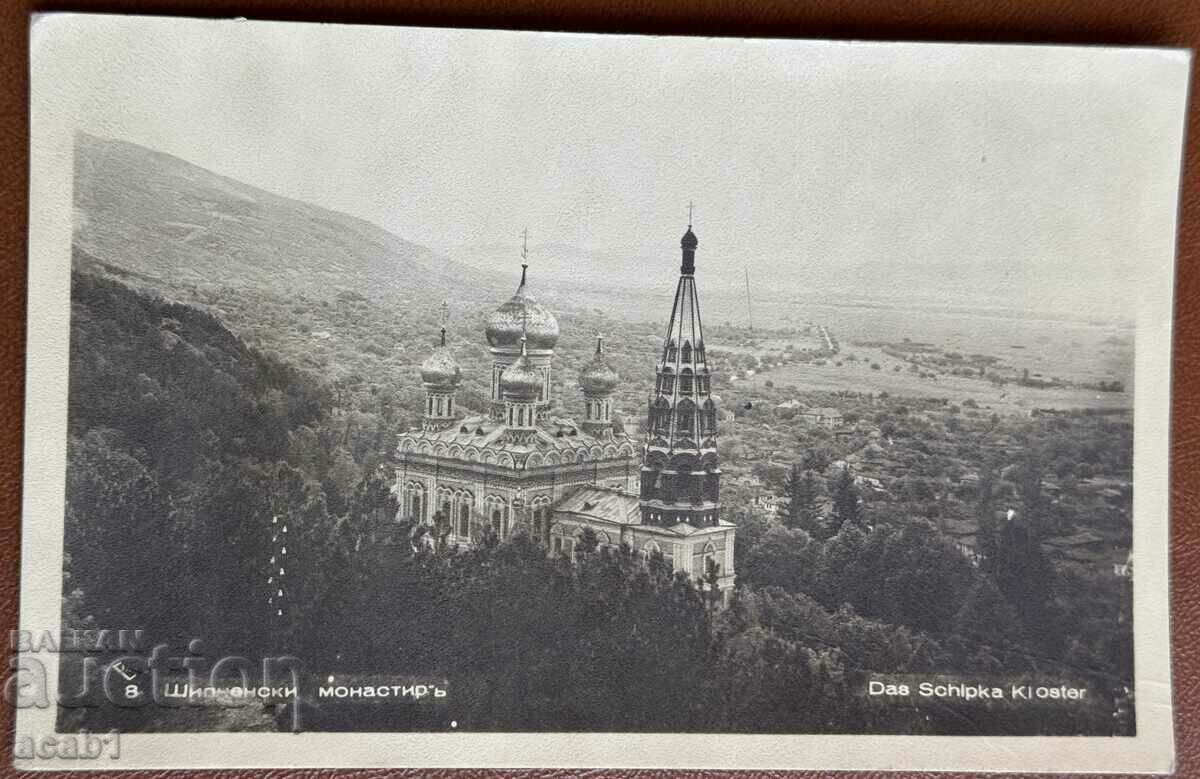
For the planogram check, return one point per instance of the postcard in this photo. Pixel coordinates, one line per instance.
(447, 397)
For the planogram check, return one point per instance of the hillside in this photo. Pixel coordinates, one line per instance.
(158, 215)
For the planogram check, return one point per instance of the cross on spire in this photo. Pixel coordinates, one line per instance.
(524, 253)
(689, 214)
(445, 319)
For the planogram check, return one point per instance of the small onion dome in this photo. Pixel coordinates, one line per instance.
(689, 241)
(440, 369)
(521, 381)
(522, 312)
(597, 377)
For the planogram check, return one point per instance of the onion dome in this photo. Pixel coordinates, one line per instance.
(440, 369)
(521, 381)
(598, 377)
(522, 312)
(689, 240)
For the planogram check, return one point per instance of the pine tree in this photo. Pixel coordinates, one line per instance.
(846, 504)
(987, 615)
(1026, 578)
(985, 512)
(800, 509)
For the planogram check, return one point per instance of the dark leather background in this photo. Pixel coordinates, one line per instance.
(1139, 22)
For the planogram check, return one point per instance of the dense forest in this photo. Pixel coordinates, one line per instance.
(185, 443)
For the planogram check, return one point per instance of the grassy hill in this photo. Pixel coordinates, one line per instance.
(155, 214)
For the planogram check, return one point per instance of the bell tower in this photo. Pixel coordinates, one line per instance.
(680, 477)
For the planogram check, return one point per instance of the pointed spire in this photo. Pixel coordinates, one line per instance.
(524, 256)
(599, 343)
(689, 215)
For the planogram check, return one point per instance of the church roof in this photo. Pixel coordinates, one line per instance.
(521, 381)
(440, 369)
(617, 507)
(607, 505)
(522, 315)
(555, 439)
(689, 240)
(598, 377)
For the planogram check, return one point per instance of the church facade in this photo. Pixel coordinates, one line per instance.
(517, 468)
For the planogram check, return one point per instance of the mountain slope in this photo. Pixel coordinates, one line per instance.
(158, 215)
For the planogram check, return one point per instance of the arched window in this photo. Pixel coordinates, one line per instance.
(687, 351)
(414, 493)
(464, 520)
(701, 560)
(541, 517)
(662, 417)
(495, 513)
(685, 381)
(685, 417)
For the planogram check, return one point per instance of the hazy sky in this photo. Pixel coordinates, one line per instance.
(1012, 170)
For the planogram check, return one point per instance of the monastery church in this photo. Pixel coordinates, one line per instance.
(517, 468)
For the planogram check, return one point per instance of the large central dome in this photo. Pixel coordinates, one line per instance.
(521, 313)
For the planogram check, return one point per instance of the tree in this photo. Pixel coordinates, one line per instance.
(985, 512)
(587, 542)
(778, 557)
(712, 575)
(847, 505)
(1025, 577)
(1029, 486)
(987, 616)
(800, 507)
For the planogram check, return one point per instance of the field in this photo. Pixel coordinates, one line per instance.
(1064, 353)
(858, 376)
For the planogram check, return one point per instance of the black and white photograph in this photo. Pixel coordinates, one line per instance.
(461, 382)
